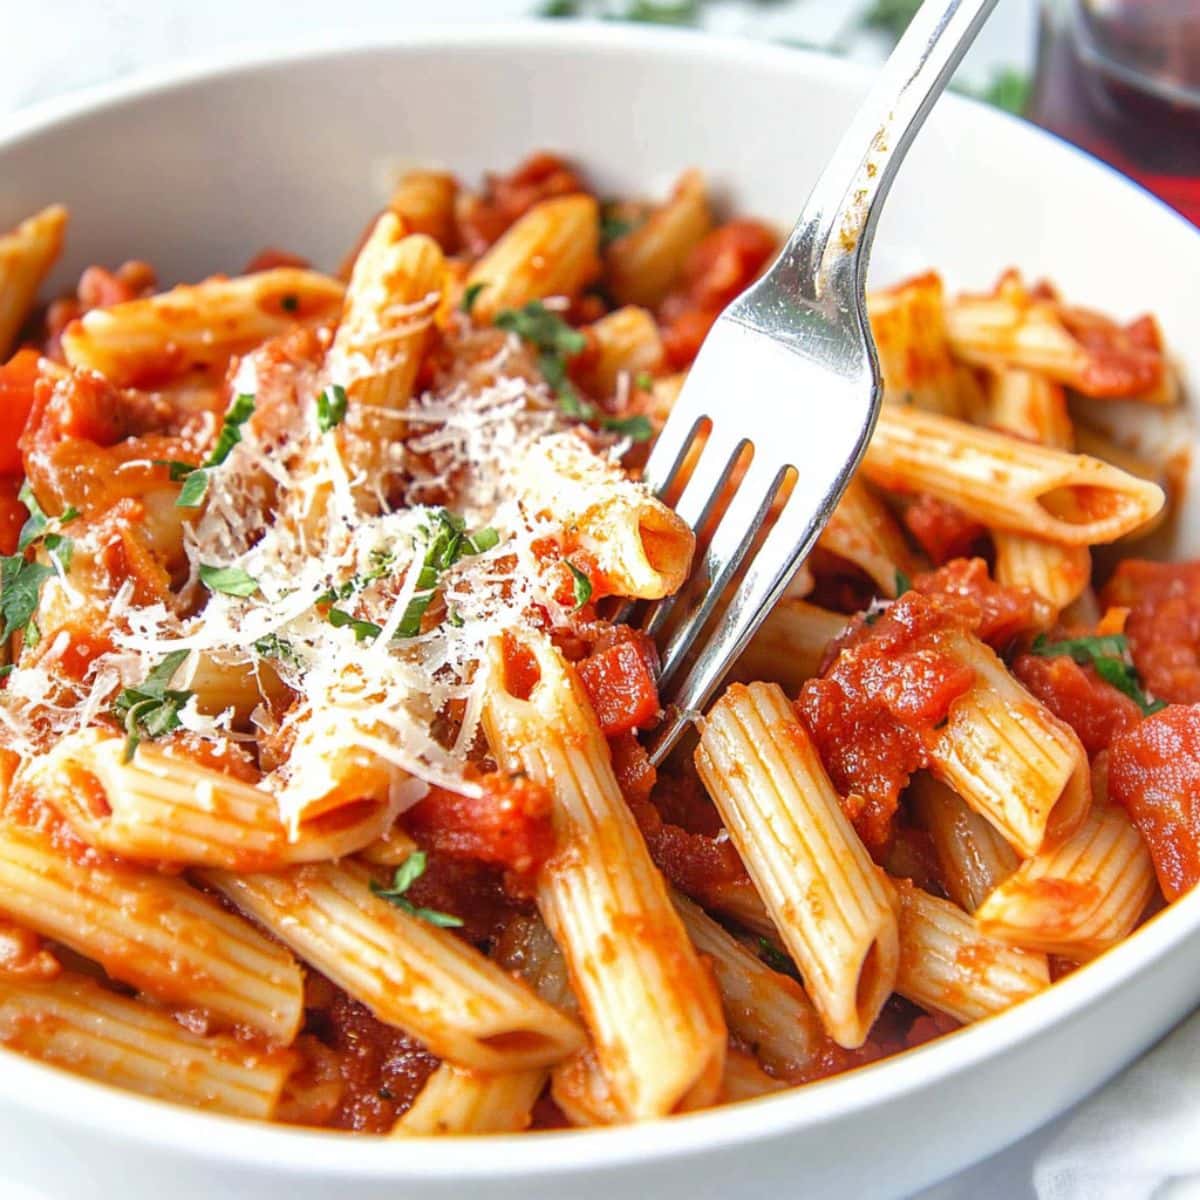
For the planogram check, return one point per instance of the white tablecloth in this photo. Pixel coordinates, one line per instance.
(55, 47)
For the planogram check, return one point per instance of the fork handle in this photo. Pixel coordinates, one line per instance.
(825, 259)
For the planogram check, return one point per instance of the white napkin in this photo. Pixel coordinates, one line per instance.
(1139, 1137)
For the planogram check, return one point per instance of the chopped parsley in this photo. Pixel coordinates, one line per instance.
(407, 873)
(152, 708)
(233, 581)
(581, 584)
(195, 478)
(776, 959)
(20, 579)
(273, 646)
(636, 428)
(470, 295)
(903, 583)
(338, 617)
(612, 224)
(643, 381)
(1109, 654)
(331, 408)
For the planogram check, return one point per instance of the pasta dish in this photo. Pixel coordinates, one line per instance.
(322, 799)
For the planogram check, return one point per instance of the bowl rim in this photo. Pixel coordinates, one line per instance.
(117, 1114)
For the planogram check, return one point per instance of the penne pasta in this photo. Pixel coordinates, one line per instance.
(424, 201)
(550, 251)
(455, 1101)
(642, 265)
(75, 1023)
(161, 807)
(1078, 898)
(948, 966)
(909, 329)
(972, 855)
(830, 903)
(151, 931)
(1008, 757)
(626, 342)
(862, 531)
(744, 1079)
(584, 1093)
(173, 333)
(789, 646)
(652, 1010)
(763, 1008)
(409, 973)
(26, 255)
(1005, 482)
(641, 548)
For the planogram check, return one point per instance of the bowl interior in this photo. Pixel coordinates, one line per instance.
(198, 173)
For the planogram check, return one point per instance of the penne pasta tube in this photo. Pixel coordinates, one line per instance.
(26, 255)
(625, 342)
(641, 548)
(971, 853)
(424, 202)
(239, 688)
(550, 251)
(584, 1092)
(948, 966)
(641, 266)
(151, 931)
(161, 806)
(1008, 756)
(455, 1101)
(1030, 406)
(1032, 331)
(393, 294)
(75, 1023)
(832, 906)
(763, 1008)
(744, 1079)
(1056, 573)
(862, 531)
(408, 972)
(651, 1008)
(909, 329)
(1008, 483)
(197, 325)
(1079, 898)
(787, 648)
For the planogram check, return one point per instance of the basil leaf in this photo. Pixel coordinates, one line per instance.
(233, 581)
(582, 585)
(195, 486)
(470, 295)
(331, 407)
(407, 873)
(1109, 655)
(151, 709)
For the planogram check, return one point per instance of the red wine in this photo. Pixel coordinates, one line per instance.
(1123, 81)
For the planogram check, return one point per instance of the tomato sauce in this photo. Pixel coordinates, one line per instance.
(1096, 710)
(1163, 624)
(620, 683)
(1154, 773)
(722, 266)
(942, 529)
(12, 513)
(873, 711)
(996, 613)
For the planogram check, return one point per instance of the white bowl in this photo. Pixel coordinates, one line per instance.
(194, 170)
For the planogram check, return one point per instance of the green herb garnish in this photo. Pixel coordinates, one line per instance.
(21, 580)
(1109, 654)
(581, 585)
(556, 343)
(152, 708)
(776, 959)
(331, 408)
(233, 581)
(362, 629)
(407, 873)
(643, 381)
(195, 478)
(903, 583)
(273, 646)
(470, 295)
(636, 429)
(38, 524)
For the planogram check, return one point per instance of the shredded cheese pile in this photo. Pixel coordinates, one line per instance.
(458, 449)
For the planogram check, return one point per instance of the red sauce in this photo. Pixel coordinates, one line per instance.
(1163, 624)
(12, 513)
(620, 683)
(997, 613)
(1154, 773)
(382, 1069)
(17, 379)
(521, 670)
(722, 266)
(1076, 694)
(635, 772)
(469, 890)
(508, 826)
(871, 713)
(943, 530)
(542, 176)
(98, 288)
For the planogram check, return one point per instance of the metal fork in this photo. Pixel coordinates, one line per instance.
(798, 340)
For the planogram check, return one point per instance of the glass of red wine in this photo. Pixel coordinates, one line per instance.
(1121, 78)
